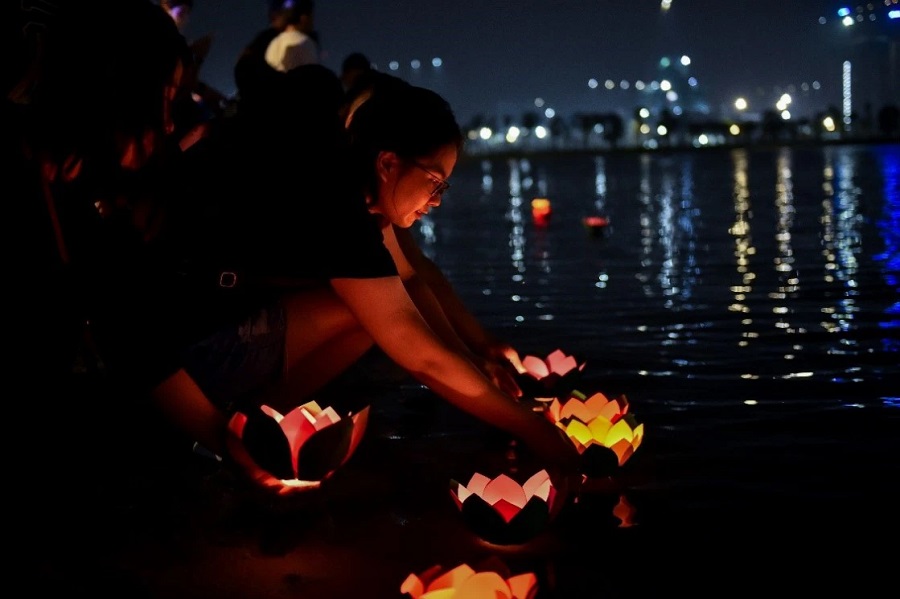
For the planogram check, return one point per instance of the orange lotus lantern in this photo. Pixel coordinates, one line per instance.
(602, 429)
(464, 582)
(502, 511)
(556, 375)
(307, 444)
(541, 211)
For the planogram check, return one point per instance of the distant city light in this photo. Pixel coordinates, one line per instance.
(692, 81)
(639, 85)
(665, 85)
(734, 130)
(828, 123)
(549, 113)
(665, 5)
(485, 133)
(740, 104)
(609, 84)
(623, 84)
(894, 14)
(415, 63)
(436, 62)
(393, 65)
(539, 102)
(685, 60)
(847, 104)
(847, 21)
(512, 134)
(661, 130)
(593, 83)
(843, 12)
(540, 132)
(644, 113)
(786, 115)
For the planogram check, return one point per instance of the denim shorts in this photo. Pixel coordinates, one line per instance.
(239, 361)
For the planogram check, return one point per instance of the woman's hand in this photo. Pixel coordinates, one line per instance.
(259, 478)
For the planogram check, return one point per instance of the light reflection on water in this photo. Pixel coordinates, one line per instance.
(717, 267)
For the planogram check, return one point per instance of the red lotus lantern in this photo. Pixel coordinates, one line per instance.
(595, 225)
(554, 376)
(464, 582)
(307, 444)
(541, 211)
(502, 511)
(603, 430)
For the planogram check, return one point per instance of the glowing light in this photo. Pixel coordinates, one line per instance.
(540, 132)
(593, 83)
(661, 130)
(415, 63)
(665, 85)
(786, 115)
(734, 130)
(513, 134)
(436, 62)
(644, 113)
(685, 60)
(485, 133)
(549, 113)
(740, 104)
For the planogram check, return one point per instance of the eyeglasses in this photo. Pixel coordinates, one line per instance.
(440, 185)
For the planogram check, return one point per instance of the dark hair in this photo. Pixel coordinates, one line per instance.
(356, 61)
(98, 83)
(411, 121)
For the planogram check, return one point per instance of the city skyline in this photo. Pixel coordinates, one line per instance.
(499, 58)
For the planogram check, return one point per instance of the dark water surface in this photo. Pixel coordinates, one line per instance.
(747, 303)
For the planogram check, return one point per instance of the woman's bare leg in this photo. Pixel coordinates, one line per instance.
(323, 339)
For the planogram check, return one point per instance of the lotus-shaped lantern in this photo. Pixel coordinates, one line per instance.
(307, 444)
(554, 376)
(502, 511)
(464, 582)
(603, 430)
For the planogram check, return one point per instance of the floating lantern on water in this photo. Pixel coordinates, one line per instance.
(307, 444)
(541, 211)
(556, 375)
(464, 582)
(603, 430)
(595, 225)
(502, 511)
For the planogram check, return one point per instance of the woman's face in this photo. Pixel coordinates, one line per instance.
(409, 189)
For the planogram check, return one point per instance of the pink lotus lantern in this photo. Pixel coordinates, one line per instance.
(464, 582)
(541, 211)
(504, 512)
(307, 444)
(553, 376)
(603, 430)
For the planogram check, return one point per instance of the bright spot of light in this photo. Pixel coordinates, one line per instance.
(703, 139)
(847, 21)
(623, 84)
(692, 81)
(593, 83)
(393, 65)
(740, 104)
(661, 130)
(436, 62)
(750, 402)
(540, 132)
(828, 123)
(485, 133)
(644, 113)
(512, 134)
(665, 5)
(843, 12)
(538, 102)
(549, 113)
(685, 60)
(786, 115)
(639, 85)
(645, 128)
(609, 84)
(415, 63)
(665, 85)
(671, 96)
(734, 130)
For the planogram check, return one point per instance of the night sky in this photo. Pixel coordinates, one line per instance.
(500, 55)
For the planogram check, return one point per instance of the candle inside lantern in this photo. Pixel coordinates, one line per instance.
(540, 211)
